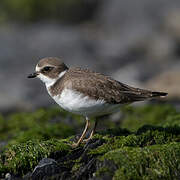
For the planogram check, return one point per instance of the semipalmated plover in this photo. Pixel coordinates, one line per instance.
(85, 92)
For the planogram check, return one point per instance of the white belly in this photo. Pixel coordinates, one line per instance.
(76, 102)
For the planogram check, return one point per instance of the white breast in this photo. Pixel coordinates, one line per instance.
(76, 102)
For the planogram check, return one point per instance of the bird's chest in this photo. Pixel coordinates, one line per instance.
(76, 102)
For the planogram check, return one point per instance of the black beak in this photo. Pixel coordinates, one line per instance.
(33, 75)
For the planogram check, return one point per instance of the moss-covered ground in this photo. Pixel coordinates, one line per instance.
(143, 144)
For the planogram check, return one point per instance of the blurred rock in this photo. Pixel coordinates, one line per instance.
(133, 42)
(20, 51)
(160, 47)
(172, 22)
(167, 82)
(129, 75)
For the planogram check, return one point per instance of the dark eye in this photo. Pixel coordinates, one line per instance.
(47, 68)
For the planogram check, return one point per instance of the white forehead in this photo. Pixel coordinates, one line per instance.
(38, 68)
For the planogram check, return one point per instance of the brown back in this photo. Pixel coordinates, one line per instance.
(99, 86)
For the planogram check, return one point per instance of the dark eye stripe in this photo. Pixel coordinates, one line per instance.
(47, 68)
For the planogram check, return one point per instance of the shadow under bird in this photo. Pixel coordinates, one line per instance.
(85, 92)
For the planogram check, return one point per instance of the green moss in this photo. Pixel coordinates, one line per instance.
(104, 171)
(44, 133)
(21, 158)
(145, 136)
(42, 124)
(76, 167)
(30, 135)
(149, 150)
(151, 162)
(136, 117)
(172, 121)
(33, 10)
(117, 131)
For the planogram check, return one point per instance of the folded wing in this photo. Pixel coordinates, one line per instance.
(99, 86)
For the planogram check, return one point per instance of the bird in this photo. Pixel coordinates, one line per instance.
(86, 92)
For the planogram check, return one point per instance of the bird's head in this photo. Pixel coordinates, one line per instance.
(49, 70)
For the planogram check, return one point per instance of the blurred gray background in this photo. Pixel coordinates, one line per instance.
(136, 42)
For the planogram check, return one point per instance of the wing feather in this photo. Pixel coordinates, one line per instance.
(102, 87)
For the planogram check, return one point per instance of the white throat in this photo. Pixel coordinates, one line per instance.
(49, 81)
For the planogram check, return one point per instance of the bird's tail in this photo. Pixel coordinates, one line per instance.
(137, 94)
(158, 94)
(141, 95)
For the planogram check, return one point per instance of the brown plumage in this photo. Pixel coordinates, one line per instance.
(99, 86)
(57, 77)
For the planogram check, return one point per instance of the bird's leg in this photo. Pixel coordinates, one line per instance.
(83, 134)
(92, 132)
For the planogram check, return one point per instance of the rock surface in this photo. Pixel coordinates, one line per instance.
(132, 41)
(146, 147)
(46, 168)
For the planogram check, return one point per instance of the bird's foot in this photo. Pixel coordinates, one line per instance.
(90, 137)
(75, 145)
(86, 140)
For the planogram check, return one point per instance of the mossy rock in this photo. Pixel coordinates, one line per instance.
(145, 136)
(148, 150)
(136, 117)
(21, 158)
(151, 162)
(42, 124)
